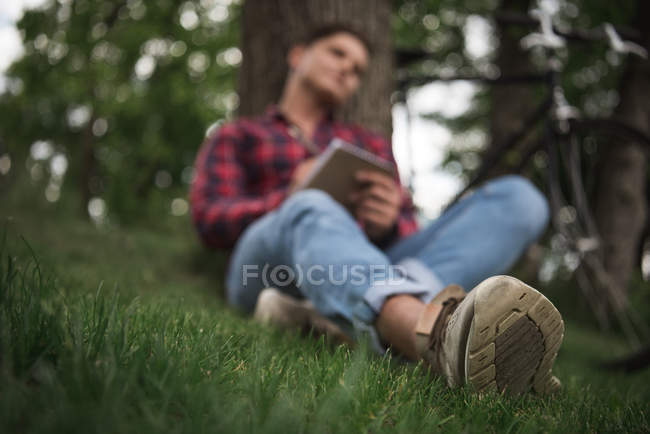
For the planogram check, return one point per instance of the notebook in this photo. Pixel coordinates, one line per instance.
(334, 170)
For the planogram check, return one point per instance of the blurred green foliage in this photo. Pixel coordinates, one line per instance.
(126, 90)
(591, 71)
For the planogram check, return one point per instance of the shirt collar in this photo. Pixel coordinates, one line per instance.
(273, 112)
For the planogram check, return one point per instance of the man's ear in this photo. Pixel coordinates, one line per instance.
(295, 55)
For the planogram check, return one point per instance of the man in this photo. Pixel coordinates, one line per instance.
(503, 334)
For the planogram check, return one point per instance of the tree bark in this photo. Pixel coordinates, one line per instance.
(512, 103)
(271, 27)
(621, 208)
(88, 165)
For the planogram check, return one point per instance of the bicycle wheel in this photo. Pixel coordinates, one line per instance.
(575, 163)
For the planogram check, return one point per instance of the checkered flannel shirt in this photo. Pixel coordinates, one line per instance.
(244, 169)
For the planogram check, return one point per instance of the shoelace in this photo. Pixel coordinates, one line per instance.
(439, 327)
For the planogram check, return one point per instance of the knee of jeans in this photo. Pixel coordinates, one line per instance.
(310, 201)
(524, 202)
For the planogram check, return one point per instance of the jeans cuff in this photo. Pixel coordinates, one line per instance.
(413, 278)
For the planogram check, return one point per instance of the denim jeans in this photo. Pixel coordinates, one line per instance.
(310, 246)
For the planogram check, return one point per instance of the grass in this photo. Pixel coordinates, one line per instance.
(124, 330)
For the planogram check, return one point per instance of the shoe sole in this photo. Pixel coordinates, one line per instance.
(514, 338)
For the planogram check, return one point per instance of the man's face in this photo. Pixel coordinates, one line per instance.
(332, 66)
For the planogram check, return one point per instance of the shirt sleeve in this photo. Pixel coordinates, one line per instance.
(406, 223)
(221, 208)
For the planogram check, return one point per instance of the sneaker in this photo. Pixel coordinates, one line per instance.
(284, 311)
(503, 335)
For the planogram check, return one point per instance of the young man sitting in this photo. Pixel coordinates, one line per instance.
(502, 334)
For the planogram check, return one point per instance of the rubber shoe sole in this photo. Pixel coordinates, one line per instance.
(514, 338)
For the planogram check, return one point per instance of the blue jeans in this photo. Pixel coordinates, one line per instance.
(310, 246)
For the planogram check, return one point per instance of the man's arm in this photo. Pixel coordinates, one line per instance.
(221, 208)
(388, 202)
(384, 208)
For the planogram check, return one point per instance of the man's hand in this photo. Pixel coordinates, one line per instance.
(300, 173)
(376, 203)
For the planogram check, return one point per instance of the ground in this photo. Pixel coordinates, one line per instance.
(124, 329)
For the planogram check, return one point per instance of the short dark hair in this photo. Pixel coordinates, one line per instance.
(330, 29)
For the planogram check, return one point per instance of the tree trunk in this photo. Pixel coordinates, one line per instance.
(88, 165)
(621, 208)
(511, 103)
(271, 27)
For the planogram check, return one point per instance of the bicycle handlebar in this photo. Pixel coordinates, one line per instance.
(592, 35)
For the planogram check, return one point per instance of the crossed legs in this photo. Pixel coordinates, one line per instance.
(314, 246)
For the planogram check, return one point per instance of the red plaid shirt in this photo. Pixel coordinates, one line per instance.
(243, 171)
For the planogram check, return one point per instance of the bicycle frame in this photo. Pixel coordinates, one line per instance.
(559, 141)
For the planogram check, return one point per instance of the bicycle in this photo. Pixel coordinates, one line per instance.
(569, 141)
